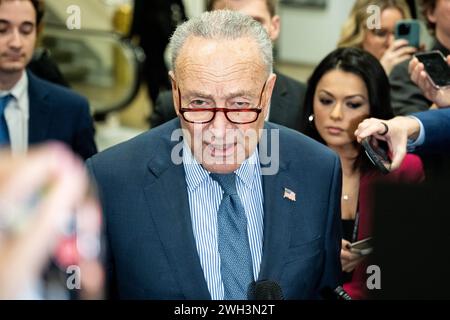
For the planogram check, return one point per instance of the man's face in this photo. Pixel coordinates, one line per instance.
(17, 34)
(257, 9)
(222, 74)
(441, 17)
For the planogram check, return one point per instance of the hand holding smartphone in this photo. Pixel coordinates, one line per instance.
(377, 155)
(409, 30)
(436, 67)
(362, 247)
(407, 35)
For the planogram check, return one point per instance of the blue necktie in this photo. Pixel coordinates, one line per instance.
(234, 249)
(4, 133)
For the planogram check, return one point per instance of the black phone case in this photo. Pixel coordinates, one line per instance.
(376, 156)
(436, 67)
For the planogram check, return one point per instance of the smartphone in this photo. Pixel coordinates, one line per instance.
(377, 155)
(437, 68)
(362, 247)
(409, 30)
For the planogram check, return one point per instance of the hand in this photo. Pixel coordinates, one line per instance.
(397, 52)
(440, 96)
(39, 194)
(399, 130)
(349, 260)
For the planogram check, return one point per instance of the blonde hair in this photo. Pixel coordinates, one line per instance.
(354, 28)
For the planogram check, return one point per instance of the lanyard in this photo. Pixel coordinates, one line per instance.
(355, 227)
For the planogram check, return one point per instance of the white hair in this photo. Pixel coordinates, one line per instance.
(223, 24)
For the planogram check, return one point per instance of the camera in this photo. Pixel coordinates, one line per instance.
(408, 30)
(404, 29)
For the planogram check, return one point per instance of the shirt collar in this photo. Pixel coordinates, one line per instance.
(246, 172)
(196, 174)
(19, 89)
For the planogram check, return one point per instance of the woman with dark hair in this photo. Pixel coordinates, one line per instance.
(348, 86)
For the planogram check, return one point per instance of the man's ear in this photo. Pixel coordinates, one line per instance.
(431, 16)
(175, 91)
(275, 27)
(268, 92)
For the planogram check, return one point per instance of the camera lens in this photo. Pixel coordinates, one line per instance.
(404, 29)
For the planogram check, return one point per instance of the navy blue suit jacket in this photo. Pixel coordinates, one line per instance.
(152, 252)
(57, 113)
(437, 130)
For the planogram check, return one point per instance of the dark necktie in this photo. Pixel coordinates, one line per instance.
(4, 133)
(234, 249)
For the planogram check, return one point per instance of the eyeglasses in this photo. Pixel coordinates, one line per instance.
(197, 113)
(381, 33)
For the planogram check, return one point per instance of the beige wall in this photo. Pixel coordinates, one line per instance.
(194, 7)
(95, 14)
(307, 35)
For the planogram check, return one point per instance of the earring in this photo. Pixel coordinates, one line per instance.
(311, 118)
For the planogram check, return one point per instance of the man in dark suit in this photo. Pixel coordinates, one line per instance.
(288, 94)
(153, 22)
(57, 113)
(203, 212)
(33, 110)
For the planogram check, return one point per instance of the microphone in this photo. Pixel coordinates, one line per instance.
(342, 293)
(264, 290)
(335, 294)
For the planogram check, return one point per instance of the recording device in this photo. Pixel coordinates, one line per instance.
(335, 294)
(362, 247)
(265, 290)
(437, 68)
(377, 155)
(409, 30)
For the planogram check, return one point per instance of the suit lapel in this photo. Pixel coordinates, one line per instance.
(280, 102)
(169, 206)
(39, 110)
(166, 193)
(277, 212)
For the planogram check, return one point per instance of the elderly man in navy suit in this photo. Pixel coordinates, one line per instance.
(217, 200)
(286, 104)
(33, 110)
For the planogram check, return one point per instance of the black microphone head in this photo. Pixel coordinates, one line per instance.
(265, 290)
(338, 293)
(342, 294)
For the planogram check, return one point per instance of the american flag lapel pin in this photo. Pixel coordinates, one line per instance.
(288, 193)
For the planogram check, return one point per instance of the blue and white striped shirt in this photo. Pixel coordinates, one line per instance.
(205, 196)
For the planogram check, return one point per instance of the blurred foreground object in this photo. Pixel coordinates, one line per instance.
(411, 240)
(41, 194)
